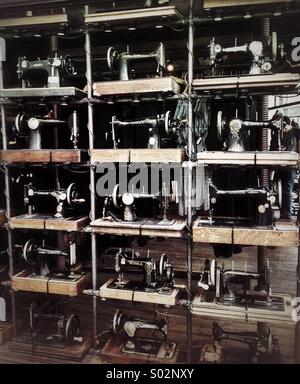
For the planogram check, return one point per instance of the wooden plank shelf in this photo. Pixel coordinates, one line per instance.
(43, 156)
(6, 332)
(42, 92)
(257, 158)
(141, 227)
(235, 312)
(29, 282)
(281, 235)
(167, 85)
(110, 156)
(268, 84)
(48, 222)
(143, 15)
(138, 296)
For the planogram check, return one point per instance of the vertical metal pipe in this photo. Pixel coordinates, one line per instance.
(190, 179)
(8, 206)
(297, 330)
(263, 115)
(92, 177)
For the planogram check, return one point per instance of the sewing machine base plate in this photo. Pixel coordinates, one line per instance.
(30, 282)
(136, 286)
(115, 352)
(108, 291)
(6, 332)
(52, 347)
(48, 222)
(280, 313)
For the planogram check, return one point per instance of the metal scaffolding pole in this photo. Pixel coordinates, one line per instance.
(8, 206)
(297, 333)
(92, 178)
(190, 179)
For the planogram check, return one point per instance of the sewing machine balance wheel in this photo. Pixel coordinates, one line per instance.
(71, 191)
(212, 272)
(115, 196)
(118, 320)
(21, 125)
(162, 264)
(168, 123)
(112, 55)
(274, 44)
(68, 66)
(29, 249)
(220, 125)
(72, 328)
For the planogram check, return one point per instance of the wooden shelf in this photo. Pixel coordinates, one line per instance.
(35, 21)
(27, 281)
(170, 85)
(234, 312)
(164, 155)
(282, 235)
(138, 296)
(48, 222)
(6, 332)
(42, 92)
(282, 83)
(143, 15)
(143, 227)
(43, 156)
(276, 159)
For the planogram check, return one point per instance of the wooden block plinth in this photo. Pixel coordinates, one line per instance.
(269, 158)
(25, 156)
(141, 86)
(139, 228)
(48, 222)
(110, 156)
(24, 281)
(282, 235)
(6, 332)
(235, 312)
(112, 353)
(68, 156)
(74, 351)
(157, 155)
(138, 296)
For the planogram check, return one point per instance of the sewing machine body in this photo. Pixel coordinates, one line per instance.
(122, 61)
(128, 328)
(49, 72)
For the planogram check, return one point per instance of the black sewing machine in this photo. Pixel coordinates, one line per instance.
(66, 198)
(50, 327)
(49, 72)
(253, 58)
(230, 132)
(158, 276)
(261, 198)
(144, 338)
(238, 287)
(263, 348)
(31, 127)
(122, 61)
(124, 206)
(45, 261)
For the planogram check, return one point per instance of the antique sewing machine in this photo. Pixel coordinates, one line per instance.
(123, 207)
(253, 58)
(144, 338)
(122, 61)
(158, 276)
(237, 287)
(151, 126)
(262, 199)
(49, 72)
(230, 132)
(46, 261)
(31, 127)
(66, 198)
(49, 327)
(262, 346)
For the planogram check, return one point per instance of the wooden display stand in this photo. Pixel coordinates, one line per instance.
(138, 296)
(282, 235)
(43, 156)
(276, 159)
(46, 222)
(26, 281)
(112, 353)
(75, 352)
(110, 156)
(236, 312)
(138, 228)
(169, 85)
(6, 332)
